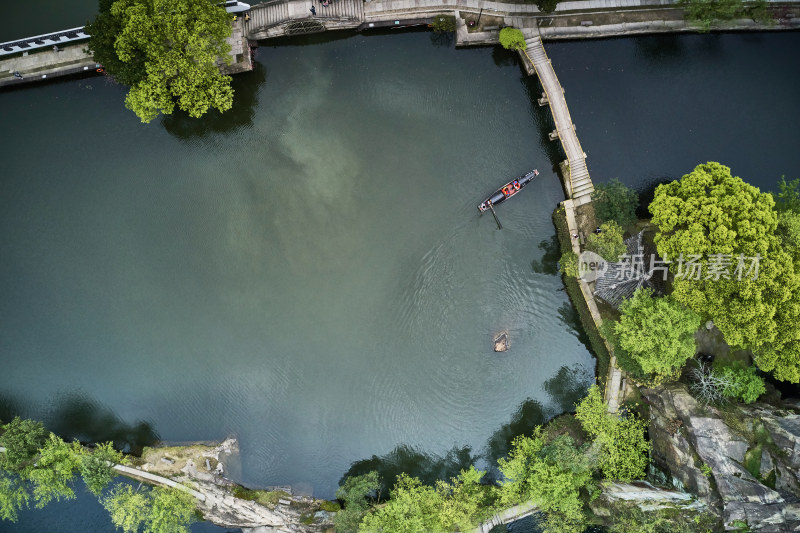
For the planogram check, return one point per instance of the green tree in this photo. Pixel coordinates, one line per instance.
(759, 11)
(170, 51)
(657, 332)
(129, 509)
(547, 6)
(742, 383)
(788, 199)
(719, 218)
(97, 467)
(171, 511)
(512, 39)
(22, 439)
(789, 234)
(613, 201)
(13, 497)
(104, 30)
(608, 243)
(54, 471)
(444, 23)
(552, 475)
(568, 264)
(465, 502)
(623, 452)
(413, 507)
(356, 493)
(704, 13)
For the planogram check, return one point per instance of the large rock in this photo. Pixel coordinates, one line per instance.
(691, 440)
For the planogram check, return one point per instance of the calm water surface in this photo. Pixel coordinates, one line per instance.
(308, 272)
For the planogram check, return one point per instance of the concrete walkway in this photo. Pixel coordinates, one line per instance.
(46, 64)
(157, 480)
(615, 378)
(378, 7)
(506, 516)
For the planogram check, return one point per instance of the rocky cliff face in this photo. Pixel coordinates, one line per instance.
(743, 462)
(201, 467)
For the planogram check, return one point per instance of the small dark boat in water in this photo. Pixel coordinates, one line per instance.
(508, 190)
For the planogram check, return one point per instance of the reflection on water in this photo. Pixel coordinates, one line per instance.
(428, 468)
(77, 416)
(548, 264)
(564, 389)
(529, 415)
(9, 408)
(246, 88)
(570, 317)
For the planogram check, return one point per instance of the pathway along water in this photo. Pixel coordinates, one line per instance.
(308, 271)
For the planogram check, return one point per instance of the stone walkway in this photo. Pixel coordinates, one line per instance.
(46, 64)
(376, 8)
(578, 184)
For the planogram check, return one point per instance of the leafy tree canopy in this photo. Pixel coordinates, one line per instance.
(54, 471)
(22, 439)
(129, 509)
(456, 506)
(741, 383)
(720, 217)
(96, 467)
(547, 6)
(160, 510)
(623, 452)
(788, 199)
(168, 51)
(171, 511)
(13, 497)
(104, 30)
(465, 502)
(789, 234)
(413, 507)
(614, 201)
(657, 332)
(355, 493)
(568, 264)
(552, 475)
(608, 243)
(512, 39)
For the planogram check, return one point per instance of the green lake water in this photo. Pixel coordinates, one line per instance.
(308, 272)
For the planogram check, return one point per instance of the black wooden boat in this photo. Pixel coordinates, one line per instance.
(508, 190)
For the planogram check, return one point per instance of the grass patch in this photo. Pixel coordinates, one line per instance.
(752, 461)
(576, 297)
(331, 507)
(268, 498)
(307, 519)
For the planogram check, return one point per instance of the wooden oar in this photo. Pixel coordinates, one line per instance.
(499, 226)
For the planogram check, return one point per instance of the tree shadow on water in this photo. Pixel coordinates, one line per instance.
(549, 261)
(569, 316)
(503, 57)
(529, 415)
(79, 417)
(9, 408)
(445, 38)
(428, 468)
(659, 48)
(568, 386)
(245, 98)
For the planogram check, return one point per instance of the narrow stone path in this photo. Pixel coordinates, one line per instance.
(579, 185)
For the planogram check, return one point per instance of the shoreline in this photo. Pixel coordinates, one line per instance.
(561, 25)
